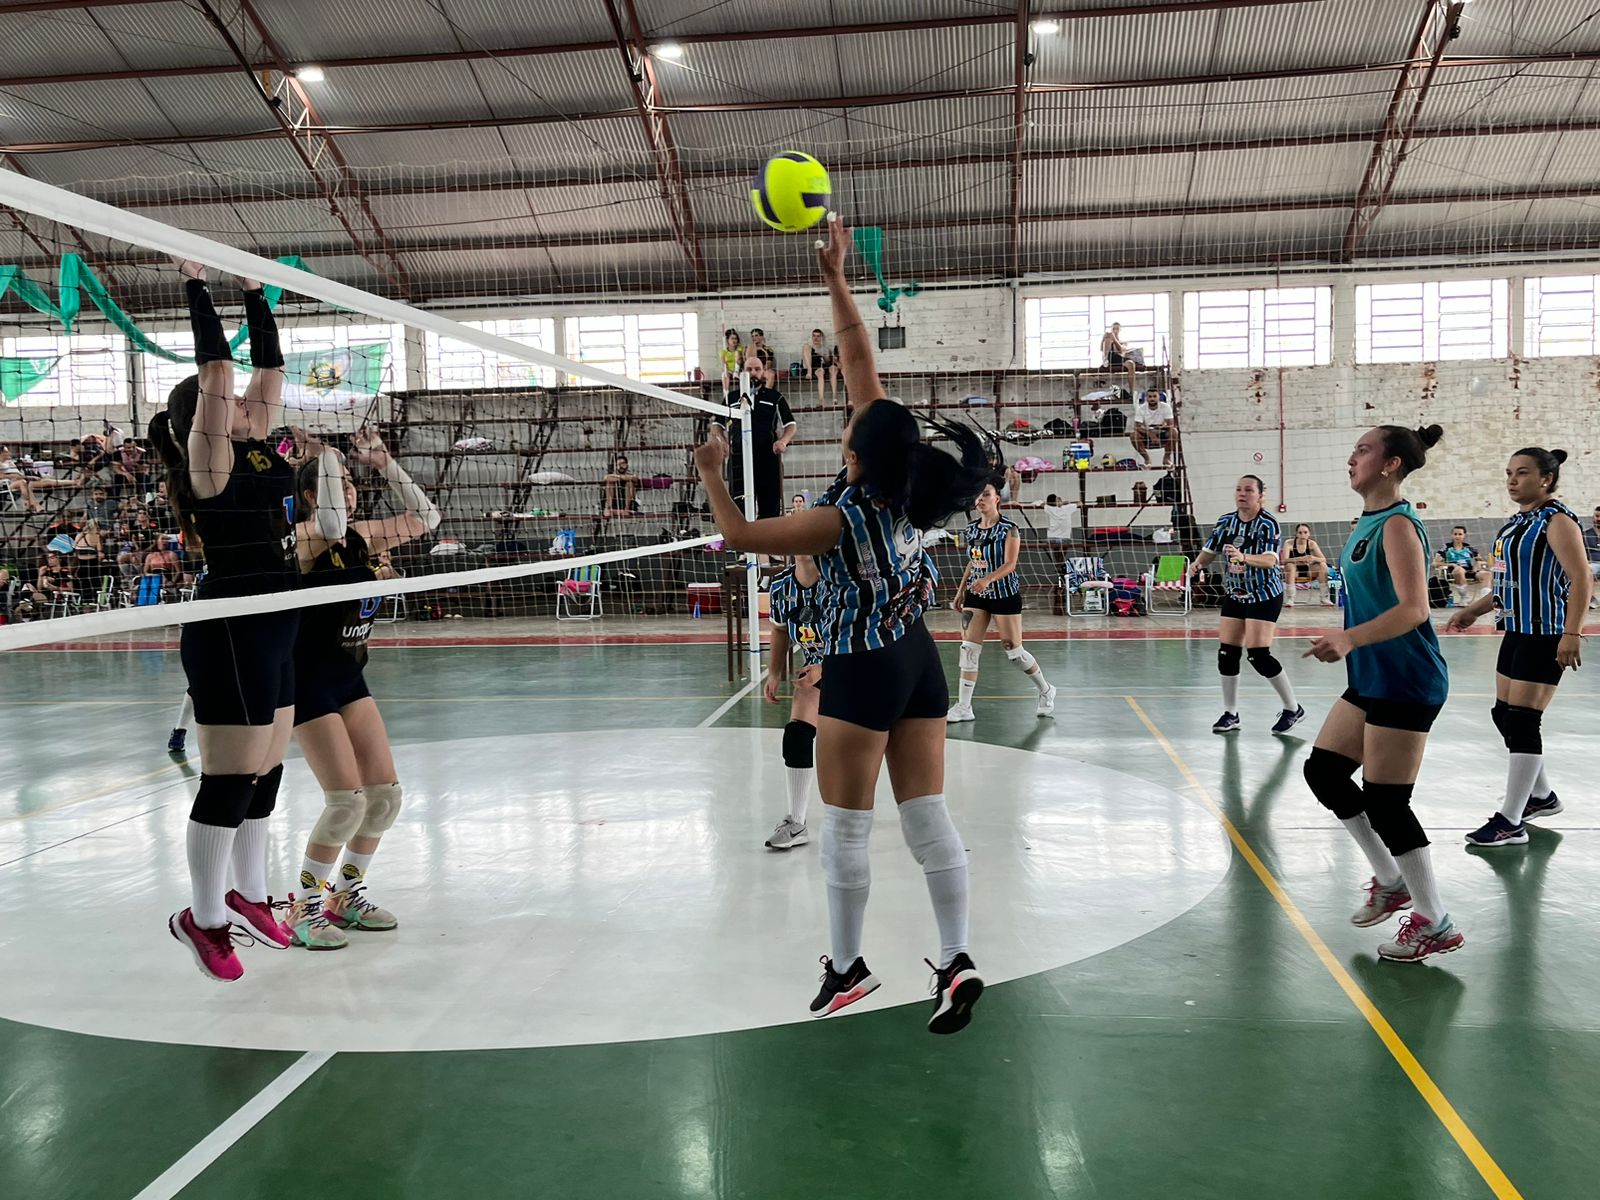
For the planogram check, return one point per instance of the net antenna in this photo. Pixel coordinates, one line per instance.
(70, 209)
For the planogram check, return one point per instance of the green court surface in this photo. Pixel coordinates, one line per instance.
(1249, 1048)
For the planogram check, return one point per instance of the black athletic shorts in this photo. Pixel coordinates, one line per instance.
(319, 692)
(769, 486)
(1259, 610)
(1394, 714)
(997, 606)
(876, 688)
(1530, 657)
(240, 669)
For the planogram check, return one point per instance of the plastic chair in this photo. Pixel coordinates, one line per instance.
(398, 609)
(580, 585)
(107, 596)
(1170, 578)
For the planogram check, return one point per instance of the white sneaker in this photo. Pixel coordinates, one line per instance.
(961, 712)
(789, 834)
(1047, 701)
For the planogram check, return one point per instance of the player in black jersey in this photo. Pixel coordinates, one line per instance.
(336, 719)
(234, 497)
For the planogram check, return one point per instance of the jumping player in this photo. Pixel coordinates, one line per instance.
(991, 587)
(795, 619)
(336, 720)
(234, 497)
(1397, 685)
(1248, 539)
(1541, 593)
(883, 690)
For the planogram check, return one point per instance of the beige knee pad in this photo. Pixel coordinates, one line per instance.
(383, 806)
(342, 814)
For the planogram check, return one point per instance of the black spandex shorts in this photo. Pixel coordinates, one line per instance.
(769, 488)
(240, 669)
(876, 688)
(1394, 714)
(320, 692)
(1260, 610)
(1530, 657)
(1115, 360)
(997, 606)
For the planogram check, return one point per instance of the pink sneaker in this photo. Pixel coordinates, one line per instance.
(261, 917)
(212, 948)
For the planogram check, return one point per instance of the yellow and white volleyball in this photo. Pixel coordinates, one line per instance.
(791, 192)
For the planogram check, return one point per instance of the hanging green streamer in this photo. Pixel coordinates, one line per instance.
(77, 280)
(869, 242)
(19, 376)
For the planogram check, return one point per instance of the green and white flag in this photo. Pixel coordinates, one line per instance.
(19, 376)
(335, 380)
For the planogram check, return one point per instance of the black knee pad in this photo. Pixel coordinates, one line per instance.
(1389, 810)
(798, 742)
(1521, 730)
(1262, 662)
(266, 797)
(223, 800)
(1228, 657)
(1497, 714)
(1331, 778)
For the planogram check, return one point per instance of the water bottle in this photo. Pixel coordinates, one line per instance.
(696, 613)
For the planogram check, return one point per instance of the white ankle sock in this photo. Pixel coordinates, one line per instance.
(209, 848)
(1280, 684)
(1384, 866)
(847, 872)
(1521, 775)
(352, 870)
(968, 686)
(250, 860)
(935, 844)
(799, 780)
(1230, 693)
(1416, 866)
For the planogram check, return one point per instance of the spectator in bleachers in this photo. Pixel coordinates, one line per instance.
(54, 578)
(164, 561)
(1591, 551)
(15, 481)
(130, 466)
(1060, 517)
(1304, 562)
(732, 356)
(620, 478)
(759, 348)
(92, 458)
(1154, 427)
(88, 548)
(1461, 563)
(162, 518)
(100, 507)
(1118, 353)
(820, 364)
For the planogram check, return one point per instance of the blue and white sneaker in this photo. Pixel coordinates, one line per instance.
(1542, 806)
(1497, 832)
(1288, 720)
(175, 743)
(1226, 723)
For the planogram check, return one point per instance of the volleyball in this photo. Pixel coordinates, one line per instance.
(791, 191)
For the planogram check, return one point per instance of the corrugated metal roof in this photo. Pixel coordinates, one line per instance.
(664, 19)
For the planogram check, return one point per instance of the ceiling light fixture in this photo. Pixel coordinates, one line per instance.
(669, 50)
(310, 74)
(1046, 26)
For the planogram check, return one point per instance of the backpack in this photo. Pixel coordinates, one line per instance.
(1438, 592)
(1114, 423)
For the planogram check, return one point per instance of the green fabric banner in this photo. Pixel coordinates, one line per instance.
(76, 280)
(869, 241)
(19, 376)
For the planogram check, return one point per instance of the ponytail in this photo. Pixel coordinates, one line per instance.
(901, 470)
(175, 457)
(1410, 446)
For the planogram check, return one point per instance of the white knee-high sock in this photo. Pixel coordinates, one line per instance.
(1417, 868)
(250, 860)
(1541, 785)
(1280, 684)
(208, 848)
(353, 869)
(798, 780)
(185, 713)
(968, 686)
(1031, 668)
(1384, 866)
(1230, 693)
(1521, 775)
(847, 871)
(935, 844)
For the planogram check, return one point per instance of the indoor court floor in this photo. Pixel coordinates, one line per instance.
(599, 985)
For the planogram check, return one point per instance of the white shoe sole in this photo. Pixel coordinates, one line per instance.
(1424, 957)
(958, 718)
(1371, 921)
(194, 951)
(1510, 841)
(802, 840)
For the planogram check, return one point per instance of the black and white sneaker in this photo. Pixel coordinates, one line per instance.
(1542, 806)
(1226, 723)
(956, 989)
(1288, 720)
(841, 991)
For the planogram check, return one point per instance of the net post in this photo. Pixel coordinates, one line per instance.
(752, 566)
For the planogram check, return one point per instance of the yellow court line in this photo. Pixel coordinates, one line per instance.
(1486, 1166)
(122, 787)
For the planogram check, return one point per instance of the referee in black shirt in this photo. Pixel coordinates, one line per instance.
(772, 428)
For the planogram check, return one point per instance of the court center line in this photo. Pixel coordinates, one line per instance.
(1485, 1165)
(216, 1143)
(726, 705)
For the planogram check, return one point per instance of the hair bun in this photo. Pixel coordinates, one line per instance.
(1559, 455)
(1429, 435)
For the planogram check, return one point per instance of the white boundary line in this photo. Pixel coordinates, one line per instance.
(722, 709)
(216, 1143)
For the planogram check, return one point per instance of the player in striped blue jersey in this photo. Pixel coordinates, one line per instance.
(796, 621)
(1249, 539)
(991, 587)
(883, 688)
(1541, 592)
(1398, 685)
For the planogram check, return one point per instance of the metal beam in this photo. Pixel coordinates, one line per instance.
(1438, 27)
(646, 91)
(1019, 117)
(692, 39)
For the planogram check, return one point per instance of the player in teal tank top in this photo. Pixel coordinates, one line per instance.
(1398, 684)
